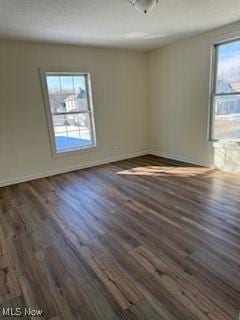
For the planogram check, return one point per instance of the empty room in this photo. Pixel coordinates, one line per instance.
(120, 159)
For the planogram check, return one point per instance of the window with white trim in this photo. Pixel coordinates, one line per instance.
(69, 108)
(225, 102)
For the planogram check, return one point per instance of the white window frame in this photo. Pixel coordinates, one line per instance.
(44, 72)
(213, 94)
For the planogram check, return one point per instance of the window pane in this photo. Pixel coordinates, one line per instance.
(57, 102)
(61, 139)
(67, 93)
(84, 126)
(72, 122)
(70, 141)
(228, 60)
(81, 123)
(76, 102)
(227, 117)
(67, 84)
(59, 123)
(69, 102)
(75, 140)
(53, 84)
(72, 131)
(79, 82)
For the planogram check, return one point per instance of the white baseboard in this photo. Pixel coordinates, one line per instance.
(179, 158)
(9, 182)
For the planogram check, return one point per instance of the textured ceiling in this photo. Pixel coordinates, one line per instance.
(113, 23)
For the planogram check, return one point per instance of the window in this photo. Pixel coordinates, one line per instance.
(68, 100)
(225, 115)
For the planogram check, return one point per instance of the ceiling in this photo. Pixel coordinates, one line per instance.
(112, 23)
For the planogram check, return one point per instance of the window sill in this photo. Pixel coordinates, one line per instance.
(75, 152)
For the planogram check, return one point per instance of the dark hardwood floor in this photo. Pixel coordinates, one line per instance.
(145, 238)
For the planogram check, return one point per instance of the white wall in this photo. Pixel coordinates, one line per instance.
(157, 100)
(179, 91)
(120, 98)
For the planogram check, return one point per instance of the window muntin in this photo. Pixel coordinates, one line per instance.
(70, 111)
(225, 120)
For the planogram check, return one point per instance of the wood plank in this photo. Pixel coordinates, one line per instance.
(143, 238)
(120, 286)
(144, 310)
(101, 306)
(9, 285)
(69, 299)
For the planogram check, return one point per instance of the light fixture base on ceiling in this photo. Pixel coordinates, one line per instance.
(144, 6)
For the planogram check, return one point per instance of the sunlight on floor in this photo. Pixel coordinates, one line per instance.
(165, 170)
(227, 156)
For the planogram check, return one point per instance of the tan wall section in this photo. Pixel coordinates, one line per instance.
(179, 92)
(120, 99)
(166, 91)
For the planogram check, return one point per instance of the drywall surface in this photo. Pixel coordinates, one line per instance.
(120, 101)
(179, 93)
